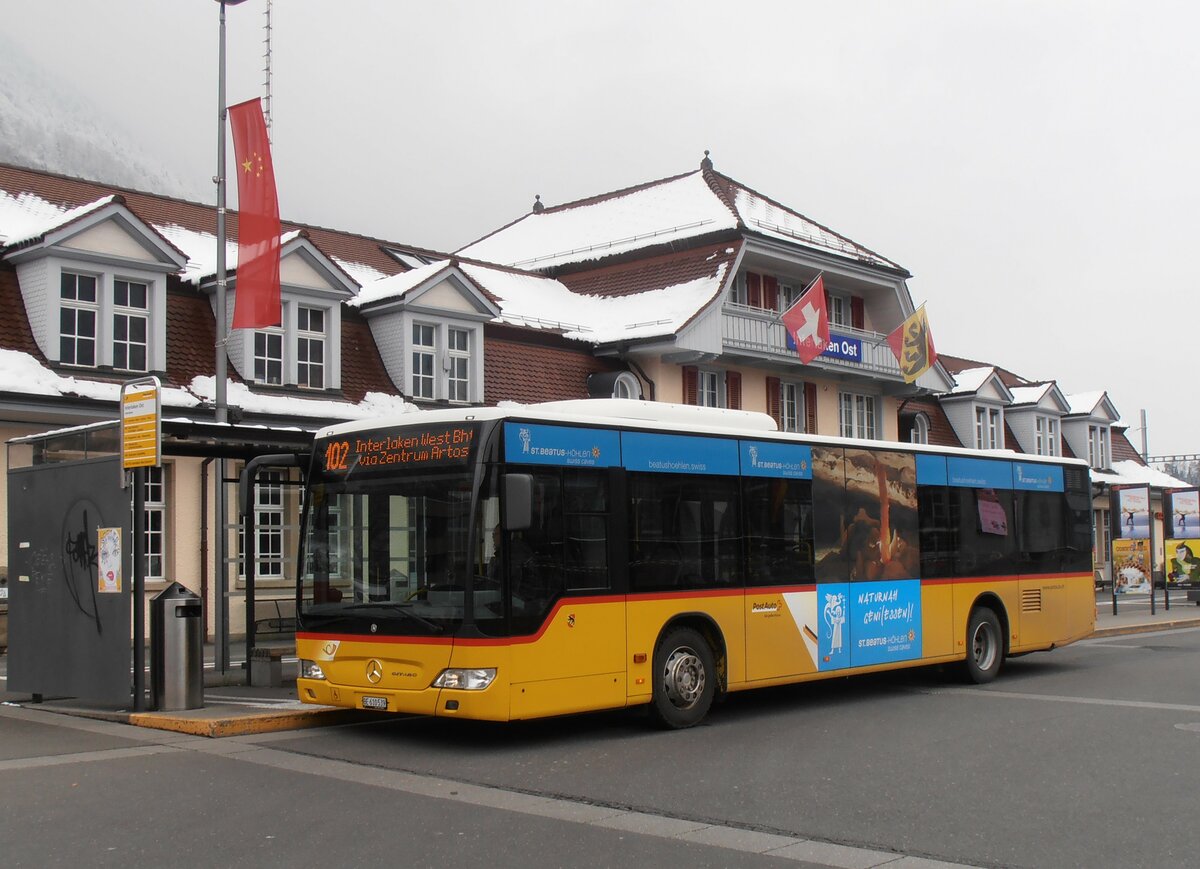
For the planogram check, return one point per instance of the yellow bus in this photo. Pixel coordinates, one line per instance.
(512, 563)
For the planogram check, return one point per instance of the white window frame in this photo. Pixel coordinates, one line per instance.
(626, 386)
(269, 521)
(423, 356)
(458, 365)
(858, 415)
(267, 359)
(131, 313)
(840, 310)
(709, 390)
(920, 429)
(79, 307)
(155, 505)
(309, 339)
(1099, 446)
(791, 406)
(1046, 439)
(989, 427)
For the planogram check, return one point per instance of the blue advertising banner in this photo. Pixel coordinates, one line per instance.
(1037, 478)
(978, 473)
(772, 459)
(833, 645)
(885, 621)
(679, 454)
(840, 347)
(561, 445)
(931, 470)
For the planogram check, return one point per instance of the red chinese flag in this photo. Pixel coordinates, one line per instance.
(807, 321)
(256, 302)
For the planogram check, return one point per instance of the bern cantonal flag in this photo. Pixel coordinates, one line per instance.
(807, 321)
(256, 300)
(912, 343)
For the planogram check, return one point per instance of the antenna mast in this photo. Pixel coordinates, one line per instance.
(267, 70)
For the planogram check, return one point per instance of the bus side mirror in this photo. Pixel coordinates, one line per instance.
(518, 501)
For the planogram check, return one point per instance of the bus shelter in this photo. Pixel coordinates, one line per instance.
(71, 526)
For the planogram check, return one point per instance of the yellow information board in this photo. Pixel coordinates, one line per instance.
(141, 423)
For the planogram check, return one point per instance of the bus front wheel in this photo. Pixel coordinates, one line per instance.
(985, 646)
(684, 679)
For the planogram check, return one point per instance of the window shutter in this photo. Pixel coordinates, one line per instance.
(770, 300)
(858, 318)
(754, 290)
(810, 408)
(691, 384)
(775, 400)
(733, 390)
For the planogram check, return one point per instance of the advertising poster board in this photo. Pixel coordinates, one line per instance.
(1181, 549)
(1131, 567)
(1132, 512)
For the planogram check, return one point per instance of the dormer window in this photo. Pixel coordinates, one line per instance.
(77, 318)
(1046, 437)
(458, 350)
(422, 361)
(310, 347)
(131, 327)
(268, 357)
(1099, 446)
(989, 428)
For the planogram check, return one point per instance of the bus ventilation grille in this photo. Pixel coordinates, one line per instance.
(1031, 600)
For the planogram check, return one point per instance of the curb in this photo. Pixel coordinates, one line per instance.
(246, 725)
(1145, 628)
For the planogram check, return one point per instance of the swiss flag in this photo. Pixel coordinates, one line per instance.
(807, 321)
(256, 300)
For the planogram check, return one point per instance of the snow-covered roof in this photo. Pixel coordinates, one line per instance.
(650, 215)
(674, 209)
(1129, 472)
(22, 374)
(529, 300)
(538, 302)
(971, 379)
(26, 217)
(1030, 394)
(1085, 402)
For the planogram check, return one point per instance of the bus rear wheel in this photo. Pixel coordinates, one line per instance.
(684, 679)
(985, 646)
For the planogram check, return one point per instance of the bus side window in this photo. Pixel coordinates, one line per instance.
(938, 529)
(779, 531)
(535, 556)
(986, 534)
(585, 512)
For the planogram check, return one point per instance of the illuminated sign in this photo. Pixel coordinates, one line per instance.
(387, 450)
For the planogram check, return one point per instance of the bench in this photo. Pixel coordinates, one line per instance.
(274, 616)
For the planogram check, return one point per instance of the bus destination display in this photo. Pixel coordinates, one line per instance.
(397, 449)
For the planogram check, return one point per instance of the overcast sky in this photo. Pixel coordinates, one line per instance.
(1033, 164)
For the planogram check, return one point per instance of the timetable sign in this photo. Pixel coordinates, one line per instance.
(141, 423)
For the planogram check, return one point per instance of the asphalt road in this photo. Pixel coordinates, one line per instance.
(1086, 756)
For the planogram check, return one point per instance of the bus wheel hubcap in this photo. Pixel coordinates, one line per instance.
(984, 647)
(683, 677)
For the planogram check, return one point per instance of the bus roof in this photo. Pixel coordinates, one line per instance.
(657, 415)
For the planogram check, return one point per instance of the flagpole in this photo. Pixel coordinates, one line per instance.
(220, 408)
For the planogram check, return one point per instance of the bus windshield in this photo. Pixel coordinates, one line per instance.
(392, 555)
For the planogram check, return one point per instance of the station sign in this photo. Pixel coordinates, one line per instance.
(141, 423)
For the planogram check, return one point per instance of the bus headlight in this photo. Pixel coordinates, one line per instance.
(466, 680)
(310, 670)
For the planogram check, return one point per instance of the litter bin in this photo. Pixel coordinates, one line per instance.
(176, 650)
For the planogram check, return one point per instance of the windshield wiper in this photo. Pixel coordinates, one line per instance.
(401, 608)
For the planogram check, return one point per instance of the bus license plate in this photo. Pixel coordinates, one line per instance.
(374, 703)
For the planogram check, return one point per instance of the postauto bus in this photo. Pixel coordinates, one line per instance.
(511, 563)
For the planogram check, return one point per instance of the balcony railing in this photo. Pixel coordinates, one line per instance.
(760, 333)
